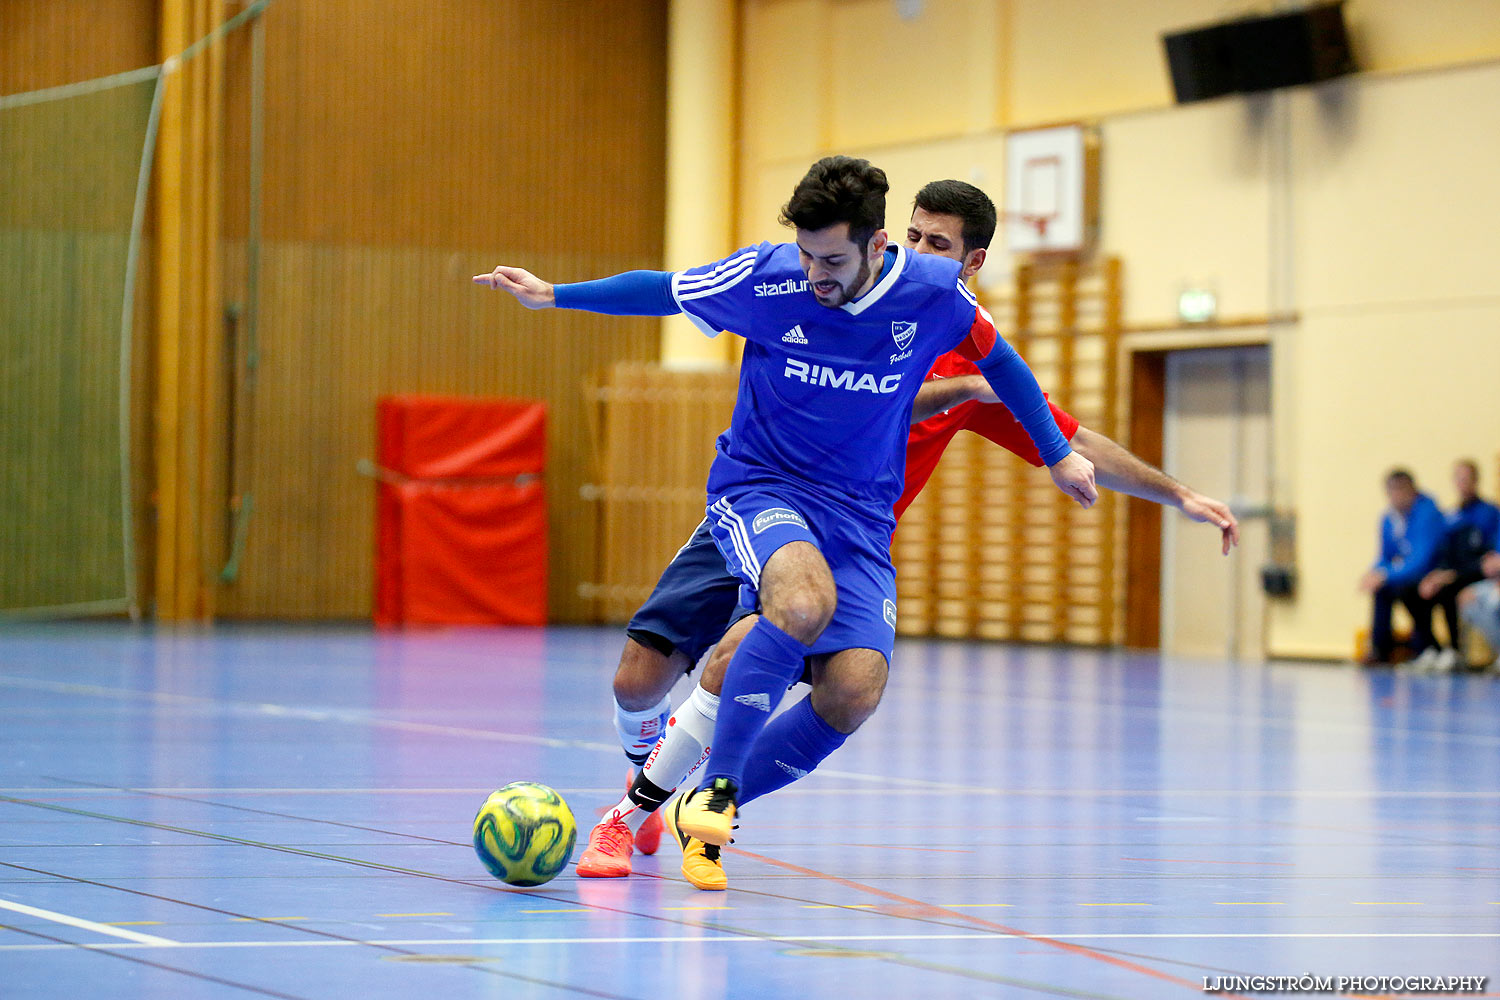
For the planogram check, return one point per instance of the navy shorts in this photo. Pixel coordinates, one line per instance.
(751, 522)
(694, 603)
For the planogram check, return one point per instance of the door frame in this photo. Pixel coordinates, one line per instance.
(1144, 370)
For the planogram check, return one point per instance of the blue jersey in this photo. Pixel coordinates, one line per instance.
(1410, 545)
(825, 395)
(1473, 530)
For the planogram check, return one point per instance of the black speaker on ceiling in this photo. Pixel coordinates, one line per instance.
(1259, 53)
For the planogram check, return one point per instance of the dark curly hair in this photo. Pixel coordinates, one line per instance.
(967, 202)
(839, 189)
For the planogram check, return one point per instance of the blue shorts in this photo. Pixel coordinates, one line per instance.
(694, 602)
(750, 523)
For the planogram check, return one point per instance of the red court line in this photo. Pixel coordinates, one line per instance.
(1200, 861)
(932, 850)
(917, 908)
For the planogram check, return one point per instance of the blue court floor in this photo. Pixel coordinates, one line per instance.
(285, 812)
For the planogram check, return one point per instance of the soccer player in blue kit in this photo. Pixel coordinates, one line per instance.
(803, 483)
(696, 594)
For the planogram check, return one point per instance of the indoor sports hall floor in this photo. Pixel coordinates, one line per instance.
(286, 813)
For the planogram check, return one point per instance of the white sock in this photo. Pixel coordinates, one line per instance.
(639, 731)
(627, 812)
(687, 741)
(636, 817)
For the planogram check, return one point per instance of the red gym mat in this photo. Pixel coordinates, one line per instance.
(461, 516)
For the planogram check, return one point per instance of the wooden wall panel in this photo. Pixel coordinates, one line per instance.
(48, 43)
(467, 123)
(657, 430)
(991, 549)
(405, 153)
(341, 327)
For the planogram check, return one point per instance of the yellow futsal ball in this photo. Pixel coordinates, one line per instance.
(524, 833)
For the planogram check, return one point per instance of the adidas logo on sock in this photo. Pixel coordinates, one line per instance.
(794, 336)
(795, 772)
(759, 700)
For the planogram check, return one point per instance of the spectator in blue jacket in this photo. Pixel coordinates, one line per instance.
(1471, 532)
(1411, 534)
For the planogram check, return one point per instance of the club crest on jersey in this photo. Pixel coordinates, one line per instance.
(902, 333)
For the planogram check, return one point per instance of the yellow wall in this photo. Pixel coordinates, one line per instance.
(1395, 277)
(702, 38)
(853, 76)
(1365, 206)
(1371, 200)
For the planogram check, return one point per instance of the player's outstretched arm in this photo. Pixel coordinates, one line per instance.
(529, 290)
(940, 394)
(633, 293)
(1117, 469)
(1015, 386)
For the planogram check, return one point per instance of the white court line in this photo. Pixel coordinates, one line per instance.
(341, 715)
(88, 925)
(1107, 793)
(356, 717)
(880, 783)
(723, 939)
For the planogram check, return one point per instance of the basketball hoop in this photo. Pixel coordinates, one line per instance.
(1047, 205)
(1032, 220)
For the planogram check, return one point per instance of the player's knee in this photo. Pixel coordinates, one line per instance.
(712, 677)
(645, 675)
(845, 703)
(797, 591)
(804, 614)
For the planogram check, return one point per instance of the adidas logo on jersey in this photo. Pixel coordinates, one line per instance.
(759, 700)
(795, 772)
(794, 336)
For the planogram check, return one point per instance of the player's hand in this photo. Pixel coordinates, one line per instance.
(1434, 582)
(1074, 475)
(1210, 511)
(531, 291)
(1372, 580)
(1490, 565)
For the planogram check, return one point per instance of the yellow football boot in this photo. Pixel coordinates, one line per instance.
(707, 814)
(701, 865)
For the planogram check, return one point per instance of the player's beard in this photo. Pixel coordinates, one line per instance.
(846, 293)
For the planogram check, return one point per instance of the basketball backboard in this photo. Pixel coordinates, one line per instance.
(1050, 190)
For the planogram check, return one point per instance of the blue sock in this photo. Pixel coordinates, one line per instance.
(791, 745)
(767, 661)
